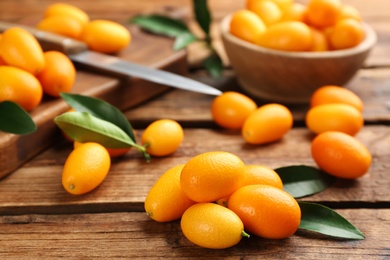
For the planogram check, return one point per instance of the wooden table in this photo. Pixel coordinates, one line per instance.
(40, 220)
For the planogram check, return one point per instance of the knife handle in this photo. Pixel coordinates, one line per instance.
(50, 41)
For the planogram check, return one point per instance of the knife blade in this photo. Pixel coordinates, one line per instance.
(78, 52)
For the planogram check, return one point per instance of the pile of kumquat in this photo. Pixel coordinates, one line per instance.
(100, 35)
(319, 25)
(216, 196)
(28, 72)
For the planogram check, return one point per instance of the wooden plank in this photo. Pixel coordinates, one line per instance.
(371, 85)
(133, 235)
(36, 187)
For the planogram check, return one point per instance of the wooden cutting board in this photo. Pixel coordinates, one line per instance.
(122, 92)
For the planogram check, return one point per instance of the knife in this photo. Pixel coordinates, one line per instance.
(78, 52)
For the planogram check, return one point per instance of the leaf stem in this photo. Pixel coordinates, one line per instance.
(142, 149)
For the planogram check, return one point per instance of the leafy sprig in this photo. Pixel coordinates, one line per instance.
(175, 28)
(300, 181)
(95, 120)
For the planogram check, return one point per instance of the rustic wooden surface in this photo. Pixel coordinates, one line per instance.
(38, 219)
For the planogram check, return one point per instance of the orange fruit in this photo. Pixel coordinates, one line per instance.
(105, 36)
(269, 123)
(166, 200)
(62, 9)
(58, 75)
(210, 176)
(2, 62)
(257, 174)
(247, 26)
(19, 48)
(64, 25)
(334, 117)
(283, 4)
(287, 36)
(323, 13)
(231, 109)
(260, 174)
(331, 94)
(85, 168)
(296, 12)
(20, 86)
(267, 10)
(347, 33)
(341, 155)
(113, 152)
(266, 211)
(320, 41)
(162, 137)
(212, 226)
(117, 152)
(348, 11)
(76, 144)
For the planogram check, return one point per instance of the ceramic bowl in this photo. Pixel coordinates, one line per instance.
(291, 77)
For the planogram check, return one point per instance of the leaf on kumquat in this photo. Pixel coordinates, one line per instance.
(84, 127)
(100, 109)
(323, 220)
(301, 180)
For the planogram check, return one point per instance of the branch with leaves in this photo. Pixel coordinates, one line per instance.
(302, 181)
(175, 28)
(96, 120)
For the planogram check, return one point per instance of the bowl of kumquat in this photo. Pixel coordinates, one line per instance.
(282, 50)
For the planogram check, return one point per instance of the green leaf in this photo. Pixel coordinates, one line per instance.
(84, 127)
(213, 65)
(159, 24)
(301, 180)
(183, 40)
(323, 220)
(202, 15)
(100, 109)
(14, 119)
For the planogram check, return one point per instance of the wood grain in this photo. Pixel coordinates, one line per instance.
(132, 235)
(371, 85)
(36, 187)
